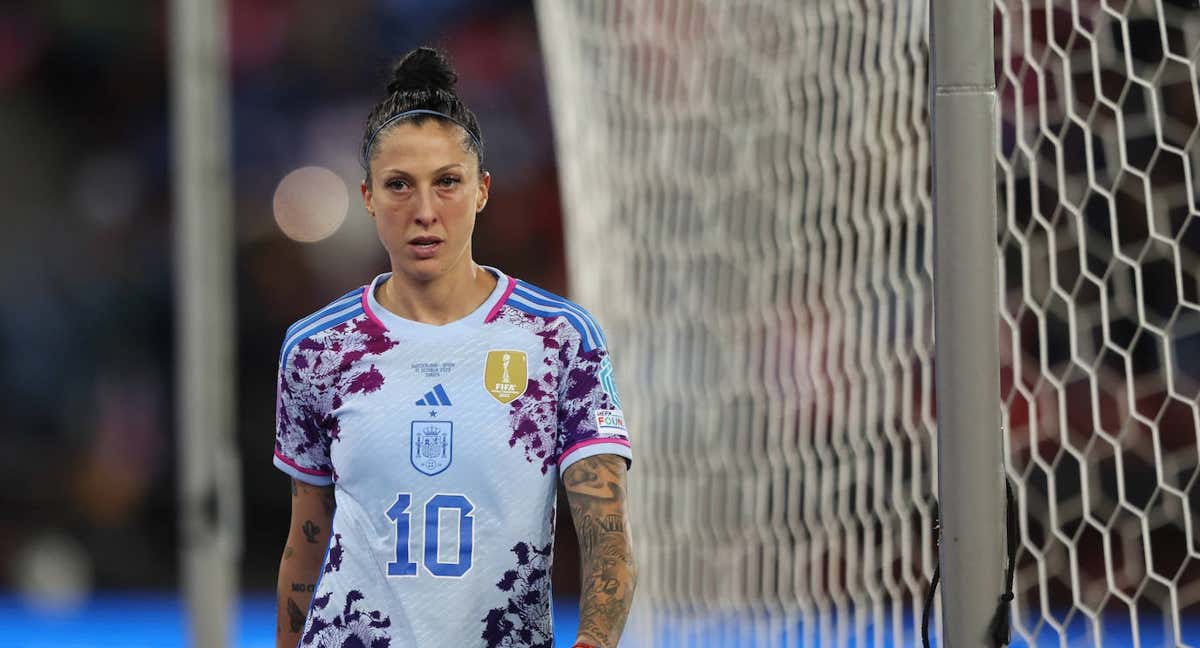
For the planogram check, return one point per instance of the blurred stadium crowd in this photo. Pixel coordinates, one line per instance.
(86, 336)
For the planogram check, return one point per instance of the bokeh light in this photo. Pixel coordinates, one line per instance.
(310, 204)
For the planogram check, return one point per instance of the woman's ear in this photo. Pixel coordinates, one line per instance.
(485, 185)
(366, 197)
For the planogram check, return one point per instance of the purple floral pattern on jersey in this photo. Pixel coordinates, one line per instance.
(524, 620)
(582, 395)
(534, 416)
(336, 551)
(318, 376)
(354, 627)
(555, 412)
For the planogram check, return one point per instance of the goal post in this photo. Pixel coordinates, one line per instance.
(971, 538)
(209, 483)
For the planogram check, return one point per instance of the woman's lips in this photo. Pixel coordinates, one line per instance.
(424, 248)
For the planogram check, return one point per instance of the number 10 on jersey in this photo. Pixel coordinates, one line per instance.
(400, 514)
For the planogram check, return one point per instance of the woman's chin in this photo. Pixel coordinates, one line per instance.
(423, 270)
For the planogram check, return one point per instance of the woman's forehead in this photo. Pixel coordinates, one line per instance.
(429, 141)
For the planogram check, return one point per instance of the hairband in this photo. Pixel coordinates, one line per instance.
(409, 113)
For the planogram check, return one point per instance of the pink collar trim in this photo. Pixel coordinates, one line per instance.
(366, 304)
(495, 312)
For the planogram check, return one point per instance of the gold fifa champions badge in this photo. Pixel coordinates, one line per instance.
(506, 375)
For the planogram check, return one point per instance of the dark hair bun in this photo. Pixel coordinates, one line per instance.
(423, 69)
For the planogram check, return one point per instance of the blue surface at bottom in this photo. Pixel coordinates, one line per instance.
(158, 621)
(748, 631)
(154, 620)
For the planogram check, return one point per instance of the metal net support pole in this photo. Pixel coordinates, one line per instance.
(209, 484)
(970, 484)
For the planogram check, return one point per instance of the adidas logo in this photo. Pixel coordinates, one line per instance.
(435, 398)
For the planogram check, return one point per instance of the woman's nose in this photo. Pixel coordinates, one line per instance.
(425, 214)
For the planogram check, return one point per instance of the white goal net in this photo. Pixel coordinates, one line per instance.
(746, 187)
(1100, 316)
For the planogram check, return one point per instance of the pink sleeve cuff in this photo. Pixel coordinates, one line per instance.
(306, 475)
(593, 447)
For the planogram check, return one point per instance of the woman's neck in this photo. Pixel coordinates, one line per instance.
(446, 299)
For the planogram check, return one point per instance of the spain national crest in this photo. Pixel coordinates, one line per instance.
(432, 446)
(506, 375)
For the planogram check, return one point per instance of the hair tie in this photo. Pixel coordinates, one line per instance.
(409, 113)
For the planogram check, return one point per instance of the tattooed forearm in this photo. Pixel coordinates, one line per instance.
(596, 492)
(591, 530)
(608, 582)
(295, 616)
(300, 566)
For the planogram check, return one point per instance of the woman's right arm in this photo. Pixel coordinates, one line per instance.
(308, 536)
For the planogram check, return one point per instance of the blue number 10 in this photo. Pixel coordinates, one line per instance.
(399, 514)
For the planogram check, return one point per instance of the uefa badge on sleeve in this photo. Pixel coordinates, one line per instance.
(432, 446)
(610, 423)
(506, 375)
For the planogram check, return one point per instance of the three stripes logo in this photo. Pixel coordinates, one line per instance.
(435, 398)
(607, 382)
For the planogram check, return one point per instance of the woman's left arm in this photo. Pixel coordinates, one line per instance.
(596, 493)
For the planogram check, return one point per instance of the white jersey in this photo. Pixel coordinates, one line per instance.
(444, 444)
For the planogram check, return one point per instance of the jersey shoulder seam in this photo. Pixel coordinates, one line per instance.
(532, 300)
(336, 312)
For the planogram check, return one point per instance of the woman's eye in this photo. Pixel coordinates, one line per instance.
(449, 181)
(396, 184)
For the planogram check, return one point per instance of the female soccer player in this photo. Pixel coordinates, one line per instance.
(425, 419)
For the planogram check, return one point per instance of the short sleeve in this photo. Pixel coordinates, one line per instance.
(301, 441)
(590, 419)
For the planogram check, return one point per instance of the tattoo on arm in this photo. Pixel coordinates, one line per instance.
(591, 531)
(310, 531)
(303, 587)
(287, 552)
(596, 492)
(295, 616)
(295, 492)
